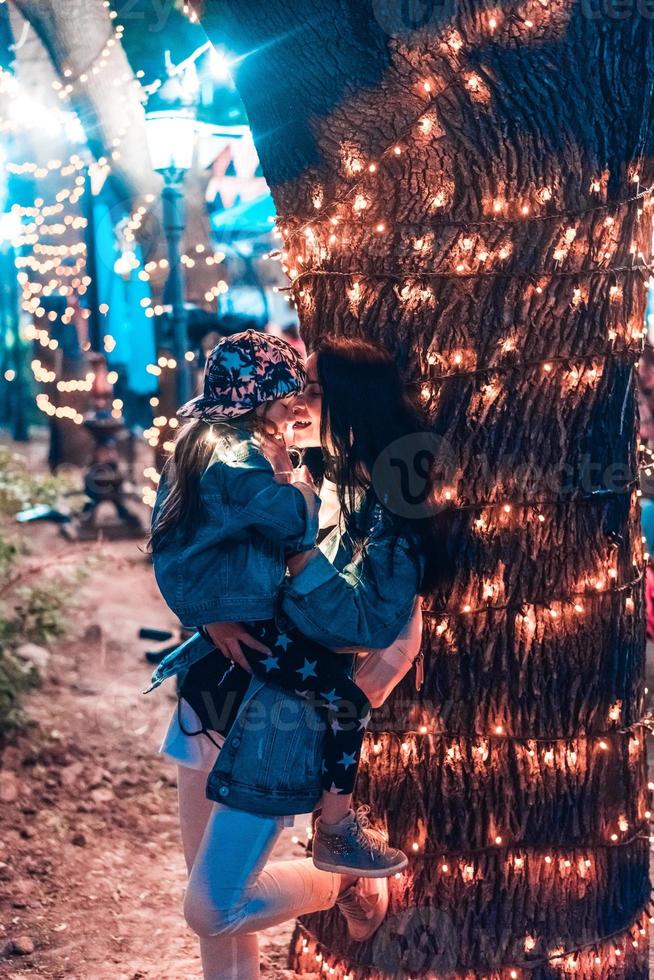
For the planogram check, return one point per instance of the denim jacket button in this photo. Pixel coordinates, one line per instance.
(235, 743)
(224, 791)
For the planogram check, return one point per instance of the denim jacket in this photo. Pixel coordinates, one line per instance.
(358, 590)
(364, 599)
(232, 566)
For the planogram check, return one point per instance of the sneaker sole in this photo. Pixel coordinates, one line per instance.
(346, 869)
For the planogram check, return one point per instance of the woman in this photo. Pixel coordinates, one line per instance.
(354, 405)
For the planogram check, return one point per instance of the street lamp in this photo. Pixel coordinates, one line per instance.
(171, 130)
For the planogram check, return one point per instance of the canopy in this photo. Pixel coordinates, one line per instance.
(249, 219)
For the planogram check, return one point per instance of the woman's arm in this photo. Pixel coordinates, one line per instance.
(366, 604)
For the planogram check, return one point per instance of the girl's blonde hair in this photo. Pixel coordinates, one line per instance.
(182, 506)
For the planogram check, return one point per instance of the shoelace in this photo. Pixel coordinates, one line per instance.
(367, 835)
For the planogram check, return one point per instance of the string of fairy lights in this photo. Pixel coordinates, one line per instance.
(47, 268)
(314, 957)
(340, 227)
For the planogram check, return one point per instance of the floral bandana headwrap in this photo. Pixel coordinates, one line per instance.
(244, 371)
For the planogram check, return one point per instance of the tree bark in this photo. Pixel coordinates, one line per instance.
(462, 187)
(79, 37)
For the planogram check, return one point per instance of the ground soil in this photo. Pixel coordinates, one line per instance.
(91, 871)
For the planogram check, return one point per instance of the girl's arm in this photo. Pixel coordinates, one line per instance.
(367, 604)
(284, 513)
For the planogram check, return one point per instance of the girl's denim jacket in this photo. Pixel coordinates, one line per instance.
(358, 593)
(232, 566)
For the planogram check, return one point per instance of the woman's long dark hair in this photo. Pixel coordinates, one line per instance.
(365, 409)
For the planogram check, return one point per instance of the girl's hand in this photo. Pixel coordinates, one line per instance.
(228, 637)
(275, 451)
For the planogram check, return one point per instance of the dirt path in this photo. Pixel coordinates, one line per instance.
(91, 872)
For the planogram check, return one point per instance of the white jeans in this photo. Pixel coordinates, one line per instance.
(232, 891)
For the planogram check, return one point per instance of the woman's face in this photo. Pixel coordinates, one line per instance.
(304, 427)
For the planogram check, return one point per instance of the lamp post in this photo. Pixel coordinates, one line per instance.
(171, 133)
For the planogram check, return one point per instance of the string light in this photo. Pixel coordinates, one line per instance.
(500, 735)
(309, 953)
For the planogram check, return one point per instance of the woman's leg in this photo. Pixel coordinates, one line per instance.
(223, 957)
(232, 891)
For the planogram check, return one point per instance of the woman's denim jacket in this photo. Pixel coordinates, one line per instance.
(358, 593)
(232, 566)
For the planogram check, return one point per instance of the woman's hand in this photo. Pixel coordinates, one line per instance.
(275, 451)
(228, 637)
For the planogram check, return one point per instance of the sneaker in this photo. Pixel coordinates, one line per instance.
(354, 848)
(364, 905)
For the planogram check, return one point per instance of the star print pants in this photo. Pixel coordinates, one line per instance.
(300, 666)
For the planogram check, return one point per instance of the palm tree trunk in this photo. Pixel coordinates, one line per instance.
(467, 188)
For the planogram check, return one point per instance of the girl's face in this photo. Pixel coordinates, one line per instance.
(304, 427)
(278, 413)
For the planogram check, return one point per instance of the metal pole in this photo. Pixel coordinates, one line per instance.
(174, 218)
(94, 321)
(15, 348)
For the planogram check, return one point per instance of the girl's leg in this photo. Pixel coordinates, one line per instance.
(231, 891)
(320, 675)
(223, 957)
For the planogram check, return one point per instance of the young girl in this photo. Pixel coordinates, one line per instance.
(225, 523)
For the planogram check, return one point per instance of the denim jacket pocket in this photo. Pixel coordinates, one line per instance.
(271, 760)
